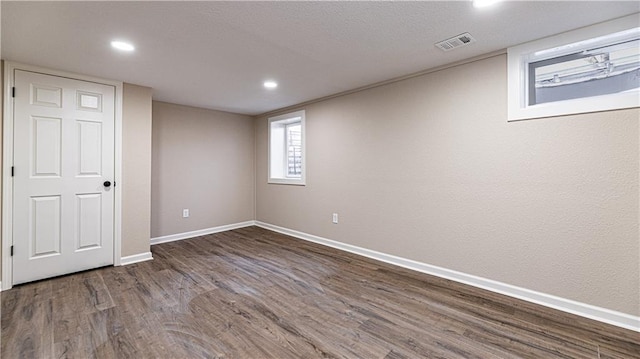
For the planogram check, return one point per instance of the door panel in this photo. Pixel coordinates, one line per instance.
(47, 139)
(63, 152)
(90, 148)
(89, 210)
(44, 238)
(42, 95)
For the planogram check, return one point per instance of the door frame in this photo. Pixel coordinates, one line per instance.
(7, 162)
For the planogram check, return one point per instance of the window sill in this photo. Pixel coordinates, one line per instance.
(292, 182)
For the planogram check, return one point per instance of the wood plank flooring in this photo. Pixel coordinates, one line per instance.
(252, 293)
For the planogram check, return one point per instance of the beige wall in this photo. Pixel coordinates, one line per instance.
(136, 169)
(1, 145)
(203, 161)
(429, 169)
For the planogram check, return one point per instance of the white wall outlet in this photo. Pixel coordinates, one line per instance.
(335, 218)
(185, 213)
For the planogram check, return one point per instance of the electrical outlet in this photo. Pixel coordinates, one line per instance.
(185, 213)
(335, 218)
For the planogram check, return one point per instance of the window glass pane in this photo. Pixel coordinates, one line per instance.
(294, 150)
(605, 70)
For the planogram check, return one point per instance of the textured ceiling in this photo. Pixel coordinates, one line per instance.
(217, 54)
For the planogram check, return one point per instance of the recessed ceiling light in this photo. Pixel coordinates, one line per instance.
(484, 3)
(270, 84)
(123, 46)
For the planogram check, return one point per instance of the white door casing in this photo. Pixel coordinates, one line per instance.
(64, 148)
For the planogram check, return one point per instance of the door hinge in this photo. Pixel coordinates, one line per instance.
(11, 251)
(114, 183)
(12, 171)
(13, 91)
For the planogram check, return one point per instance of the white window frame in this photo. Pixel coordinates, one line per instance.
(285, 120)
(520, 56)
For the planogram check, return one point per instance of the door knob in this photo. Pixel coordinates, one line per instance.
(107, 184)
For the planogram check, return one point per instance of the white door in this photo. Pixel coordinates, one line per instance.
(63, 156)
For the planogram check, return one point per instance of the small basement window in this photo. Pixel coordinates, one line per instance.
(591, 69)
(286, 149)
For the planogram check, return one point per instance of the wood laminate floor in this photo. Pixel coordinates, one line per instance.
(252, 293)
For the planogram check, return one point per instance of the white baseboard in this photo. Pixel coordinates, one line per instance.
(604, 315)
(200, 232)
(136, 258)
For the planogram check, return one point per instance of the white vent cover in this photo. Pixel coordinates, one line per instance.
(456, 41)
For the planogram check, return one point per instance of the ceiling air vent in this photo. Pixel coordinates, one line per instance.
(456, 41)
